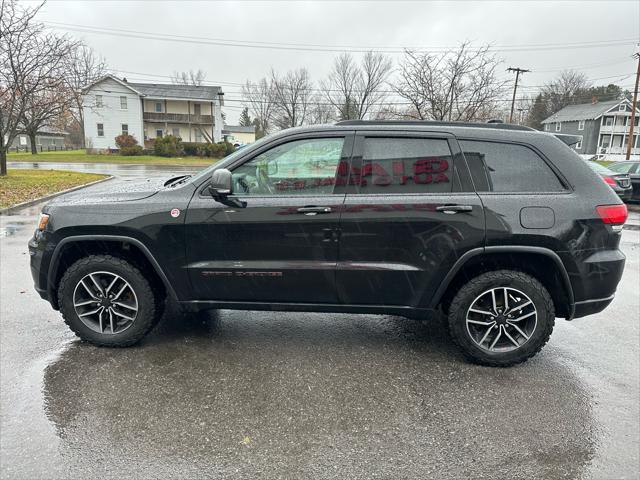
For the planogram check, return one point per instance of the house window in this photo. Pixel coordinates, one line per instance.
(159, 107)
(123, 103)
(99, 101)
(125, 129)
(175, 132)
(581, 125)
(159, 133)
(198, 136)
(608, 121)
(100, 129)
(622, 107)
(558, 126)
(196, 109)
(579, 144)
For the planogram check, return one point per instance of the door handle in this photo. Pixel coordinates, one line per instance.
(314, 210)
(451, 209)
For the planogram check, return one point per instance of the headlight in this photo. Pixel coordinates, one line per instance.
(42, 222)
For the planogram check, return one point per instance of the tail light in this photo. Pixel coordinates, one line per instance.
(614, 215)
(609, 181)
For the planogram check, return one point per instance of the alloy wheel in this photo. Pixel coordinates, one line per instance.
(501, 319)
(105, 302)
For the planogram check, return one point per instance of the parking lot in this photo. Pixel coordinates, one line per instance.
(292, 395)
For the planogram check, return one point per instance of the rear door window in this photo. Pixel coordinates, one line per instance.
(506, 167)
(404, 165)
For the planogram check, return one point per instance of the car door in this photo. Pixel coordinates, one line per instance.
(410, 215)
(282, 244)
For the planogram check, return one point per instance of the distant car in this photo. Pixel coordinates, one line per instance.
(619, 182)
(633, 169)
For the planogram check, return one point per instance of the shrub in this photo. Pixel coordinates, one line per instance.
(195, 149)
(216, 150)
(131, 151)
(168, 146)
(126, 141)
(228, 147)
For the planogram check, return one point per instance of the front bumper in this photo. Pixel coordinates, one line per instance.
(38, 270)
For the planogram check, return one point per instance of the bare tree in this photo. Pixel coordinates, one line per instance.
(189, 78)
(461, 84)
(83, 67)
(354, 89)
(258, 97)
(321, 111)
(568, 86)
(291, 97)
(16, 63)
(43, 108)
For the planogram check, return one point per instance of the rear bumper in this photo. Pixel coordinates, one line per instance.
(599, 276)
(590, 307)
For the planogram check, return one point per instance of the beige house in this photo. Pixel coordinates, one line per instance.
(239, 135)
(147, 111)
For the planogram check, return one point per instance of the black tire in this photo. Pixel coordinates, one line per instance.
(464, 298)
(149, 307)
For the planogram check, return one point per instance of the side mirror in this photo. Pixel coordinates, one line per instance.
(220, 183)
(220, 188)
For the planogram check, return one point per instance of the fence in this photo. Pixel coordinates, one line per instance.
(42, 148)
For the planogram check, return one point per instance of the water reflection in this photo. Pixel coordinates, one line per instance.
(309, 395)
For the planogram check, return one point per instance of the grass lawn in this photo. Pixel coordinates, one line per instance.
(80, 156)
(22, 185)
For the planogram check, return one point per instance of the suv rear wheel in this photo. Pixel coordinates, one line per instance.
(107, 301)
(501, 318)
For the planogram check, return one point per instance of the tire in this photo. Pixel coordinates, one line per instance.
(117, 325)
(469, 326)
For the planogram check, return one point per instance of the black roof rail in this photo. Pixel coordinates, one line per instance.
(496, 126)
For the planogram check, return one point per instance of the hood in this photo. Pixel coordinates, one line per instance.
(121, 191)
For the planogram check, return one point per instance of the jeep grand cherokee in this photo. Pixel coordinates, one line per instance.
(500, 227)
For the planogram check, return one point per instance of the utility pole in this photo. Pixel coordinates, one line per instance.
(633, 109)
(515, 87)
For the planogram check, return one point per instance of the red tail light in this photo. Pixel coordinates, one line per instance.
(609, 181)
(613, 214)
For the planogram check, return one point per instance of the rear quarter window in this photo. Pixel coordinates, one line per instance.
(506, 167)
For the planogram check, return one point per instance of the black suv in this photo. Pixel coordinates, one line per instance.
(500, 227)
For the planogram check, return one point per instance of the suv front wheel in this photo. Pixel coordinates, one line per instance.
(501, 318)
(107, 301)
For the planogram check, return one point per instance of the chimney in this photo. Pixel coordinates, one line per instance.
(594, 100)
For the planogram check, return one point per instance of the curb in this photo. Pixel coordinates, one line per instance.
(29, 203)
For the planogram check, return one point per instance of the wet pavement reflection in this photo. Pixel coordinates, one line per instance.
(115, 169)
(314, 396)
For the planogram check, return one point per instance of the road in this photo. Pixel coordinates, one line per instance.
(299, 395)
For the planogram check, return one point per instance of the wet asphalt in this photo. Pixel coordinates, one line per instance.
(303, 395)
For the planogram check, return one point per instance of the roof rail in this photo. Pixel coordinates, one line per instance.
(496, 126)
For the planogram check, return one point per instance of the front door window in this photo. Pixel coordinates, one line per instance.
(301, 167)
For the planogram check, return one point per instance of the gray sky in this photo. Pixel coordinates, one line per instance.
(506, 25)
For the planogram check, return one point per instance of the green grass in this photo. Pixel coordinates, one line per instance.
(80, 156)
(22, 185)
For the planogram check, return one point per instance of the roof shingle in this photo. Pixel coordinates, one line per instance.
(583, 111)
(162, 90)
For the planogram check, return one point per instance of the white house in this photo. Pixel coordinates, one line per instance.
(113, 107)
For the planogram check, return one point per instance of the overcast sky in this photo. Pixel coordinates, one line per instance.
(337, 25)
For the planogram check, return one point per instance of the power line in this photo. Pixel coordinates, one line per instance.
(316, 47)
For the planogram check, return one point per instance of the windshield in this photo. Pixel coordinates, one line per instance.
(226, 160)
(624, 167)
(599, 168)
